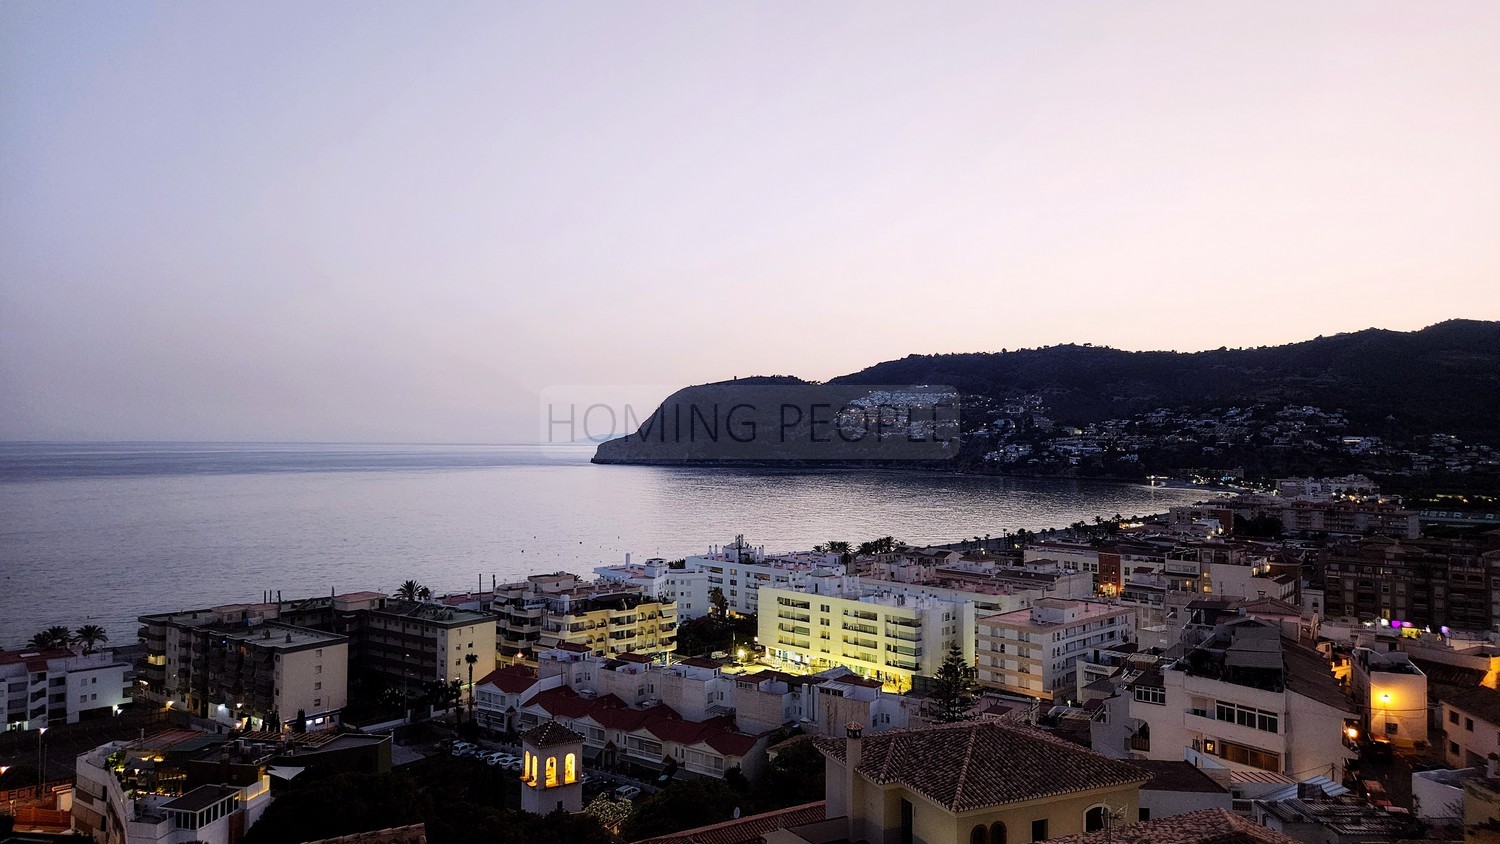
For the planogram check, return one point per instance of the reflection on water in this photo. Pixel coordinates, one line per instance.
(110, 531)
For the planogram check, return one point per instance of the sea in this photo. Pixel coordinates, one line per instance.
(102, 533)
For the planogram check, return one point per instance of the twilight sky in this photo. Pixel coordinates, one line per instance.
(405, 221)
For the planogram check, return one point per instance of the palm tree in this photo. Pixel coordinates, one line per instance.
(471, 659)
(90, 635)
(60, 635)
(410, 590)
(423, 593)
(40, 641)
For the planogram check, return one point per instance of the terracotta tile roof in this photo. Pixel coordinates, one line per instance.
(512, 679)
(631, 656)
(414, 834)
(662, 721)
(701, 662)
(746, 830)
(1206, 826)
(550, 734)
(979, 764)
(1176, 776)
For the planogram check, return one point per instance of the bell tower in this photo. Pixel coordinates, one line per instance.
(551, 770)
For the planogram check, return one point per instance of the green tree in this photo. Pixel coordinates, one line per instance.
(411, 590)
(954, 692)
(470, 660)
(90, 635)
(719, 602)
(56, 636)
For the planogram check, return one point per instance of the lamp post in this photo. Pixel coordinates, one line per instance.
(40, 763)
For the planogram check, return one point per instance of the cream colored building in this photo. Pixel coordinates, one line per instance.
(881, 633)
(977, 782)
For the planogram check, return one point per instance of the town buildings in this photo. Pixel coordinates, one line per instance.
(44, 688)
(1035, 651)
(740, 571)
(232, 666)
(1425, 583)
(1246, 698)
(1391, 692)
(610, 616)
(1471, 725)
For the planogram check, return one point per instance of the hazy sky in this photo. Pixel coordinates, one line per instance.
(403, 221)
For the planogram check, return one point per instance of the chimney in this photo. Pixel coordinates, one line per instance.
(852, 747)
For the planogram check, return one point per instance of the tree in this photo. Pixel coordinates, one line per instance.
(56, 636)
(470, 660)
(719, 602)
(682, 805)
(954, 694)
(90, 635)
(410, 590)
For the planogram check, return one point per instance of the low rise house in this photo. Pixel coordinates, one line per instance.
(1471, 725)
(1391, 693)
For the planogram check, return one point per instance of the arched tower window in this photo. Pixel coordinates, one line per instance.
(1095, 818)
(978, 835)
(570, 768)
(997, 833)
(551, 771)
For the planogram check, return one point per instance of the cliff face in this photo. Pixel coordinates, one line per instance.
(1442, 379)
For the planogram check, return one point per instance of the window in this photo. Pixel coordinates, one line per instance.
(997, 833)
(317, 669)
(1453, 747)
(1151, 694)
(1452, 717)
(317, 686)
(1247, 717)
(1039, 830)
(1252, 756)
(1390, 728)
(906, 821)
(1143, 814)
(1469, 724)
(1095, 818)
(979, 835)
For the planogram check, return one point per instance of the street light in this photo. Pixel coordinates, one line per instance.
(40, 764)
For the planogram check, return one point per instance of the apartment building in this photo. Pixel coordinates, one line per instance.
(606, 617)
(44, 688)
(233, 666)
(414, 641)
(1248, 700)
(657, 580)
(887, 634)
(741, 572)
(1035, 651)
(1423, 582)
(1350, 518)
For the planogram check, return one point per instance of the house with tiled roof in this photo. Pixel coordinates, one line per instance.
(747, 830)
(982, 781)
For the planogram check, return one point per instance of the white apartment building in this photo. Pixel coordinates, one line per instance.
(1471, 726)
(1249, 700)
(1035, 651)
(56, 686)
(741, 571)
(882, 632)
(687, 588)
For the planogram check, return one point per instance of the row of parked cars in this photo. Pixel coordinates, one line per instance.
(511, 762)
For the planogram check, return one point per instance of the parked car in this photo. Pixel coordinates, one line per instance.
(627, 792)
(463, 748)
(501, 759)
(513, 765)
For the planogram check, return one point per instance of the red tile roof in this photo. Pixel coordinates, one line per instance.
(661, 721)
(550, 734)
(979, 764)
(512, 679)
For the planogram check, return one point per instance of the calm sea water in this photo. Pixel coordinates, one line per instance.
(105, 532)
